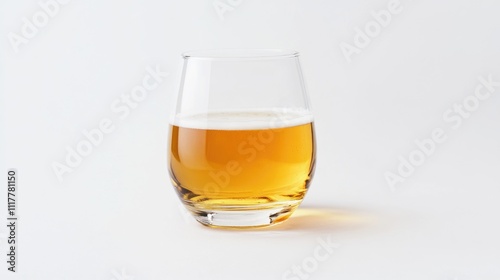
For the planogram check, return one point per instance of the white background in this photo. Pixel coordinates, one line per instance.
(116, 215)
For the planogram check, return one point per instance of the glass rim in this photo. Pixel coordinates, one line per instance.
(213, 54)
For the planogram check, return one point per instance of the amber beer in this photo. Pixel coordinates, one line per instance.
(238, 159)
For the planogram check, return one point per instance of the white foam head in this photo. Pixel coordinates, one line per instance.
(244, 120)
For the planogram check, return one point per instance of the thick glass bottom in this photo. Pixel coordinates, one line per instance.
(243, 216)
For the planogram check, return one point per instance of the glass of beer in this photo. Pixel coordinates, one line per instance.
(242, 147)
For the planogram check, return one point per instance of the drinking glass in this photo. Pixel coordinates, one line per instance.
(242, 146)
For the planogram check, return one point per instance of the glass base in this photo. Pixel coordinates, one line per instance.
(242, 217)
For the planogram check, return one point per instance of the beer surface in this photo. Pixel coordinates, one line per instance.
(270, 158)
